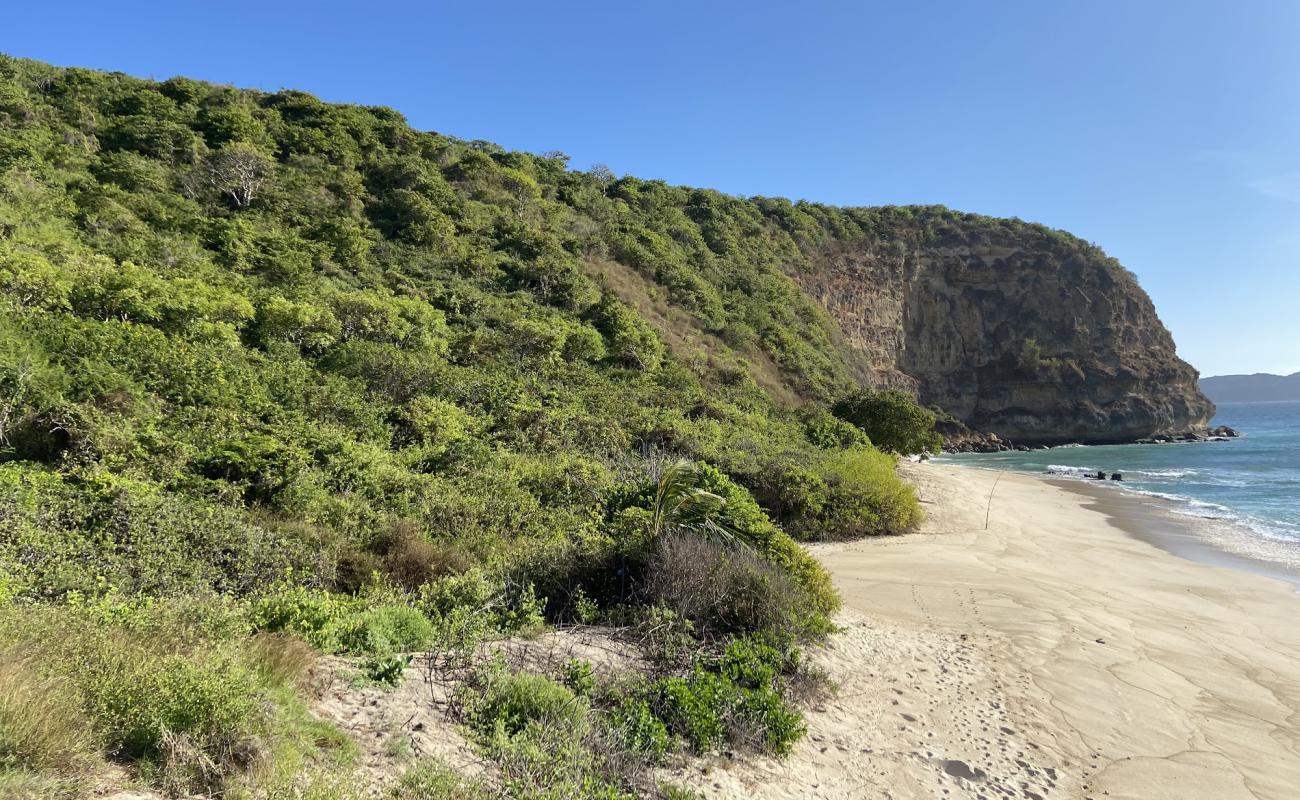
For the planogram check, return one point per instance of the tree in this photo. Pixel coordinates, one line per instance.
(632, 342)
(238, 171)
(604, 176)
(892, 420)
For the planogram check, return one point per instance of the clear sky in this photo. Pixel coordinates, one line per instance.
(1166, 132)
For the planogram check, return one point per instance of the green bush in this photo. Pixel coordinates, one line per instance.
(385, 669)
(544, 761)
(631, 342)
(752, 663)
(91, 530)
(634, 726)
(315, 615)
(507, 702)
(579, 677)
(381, 634)
(892, 419)
(779, 725)
(697, 707)
(737, 698)
(707, 710)
(431, 780)
(492, 604)
(847, 494)
(384, 630)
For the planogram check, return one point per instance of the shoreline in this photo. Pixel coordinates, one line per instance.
(1032, 646)
(1154, 520)
(1164, 522)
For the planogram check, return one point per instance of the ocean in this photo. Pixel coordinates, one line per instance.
(1250, 485)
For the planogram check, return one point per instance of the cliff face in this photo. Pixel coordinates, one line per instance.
(1026, 333)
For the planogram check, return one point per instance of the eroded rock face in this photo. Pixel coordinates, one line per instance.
(1042, 341)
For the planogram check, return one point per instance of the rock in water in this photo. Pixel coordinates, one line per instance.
(1009, 327)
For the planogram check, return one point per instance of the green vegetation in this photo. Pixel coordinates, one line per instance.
(892, 420)
(281, 378)
(178, 689)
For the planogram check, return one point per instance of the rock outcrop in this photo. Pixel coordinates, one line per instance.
(1011, 328)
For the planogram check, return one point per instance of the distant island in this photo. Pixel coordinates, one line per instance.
(1261, 386)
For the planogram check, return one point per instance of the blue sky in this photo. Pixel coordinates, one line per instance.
(1166, 132)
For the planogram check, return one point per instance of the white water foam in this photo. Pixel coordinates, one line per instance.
(1204, 509)
(1182, 504)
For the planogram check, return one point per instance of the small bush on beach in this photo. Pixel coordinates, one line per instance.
(727, 591)
(432, 780)
(507, 702)
(851, 493)
(636, 728)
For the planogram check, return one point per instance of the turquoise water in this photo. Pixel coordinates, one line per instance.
(1253, 481)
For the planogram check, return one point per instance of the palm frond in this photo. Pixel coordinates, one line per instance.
(682, 505)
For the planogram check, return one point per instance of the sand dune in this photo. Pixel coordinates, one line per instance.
(1049, 656)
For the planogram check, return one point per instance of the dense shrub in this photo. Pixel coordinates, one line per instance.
(634, 726)
(847, 494)
(727, 591)
(316, 616)
(79, 533)
(507, 702)
(736, 699)
(386, 629)
(892, 420)
(711, 507)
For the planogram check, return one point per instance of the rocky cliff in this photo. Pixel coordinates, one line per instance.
(1011, 328)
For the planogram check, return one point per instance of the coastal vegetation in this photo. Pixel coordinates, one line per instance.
(283, 380)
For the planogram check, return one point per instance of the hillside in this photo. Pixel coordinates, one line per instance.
(1258, 387)
(282, 380)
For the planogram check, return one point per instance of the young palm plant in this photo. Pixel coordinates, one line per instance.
(683, 506)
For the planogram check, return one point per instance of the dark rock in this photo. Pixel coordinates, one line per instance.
(960, 769)
(1115, 476)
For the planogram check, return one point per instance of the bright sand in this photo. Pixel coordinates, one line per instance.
(1051, 655)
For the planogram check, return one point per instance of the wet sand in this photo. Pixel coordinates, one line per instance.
(1215, 542)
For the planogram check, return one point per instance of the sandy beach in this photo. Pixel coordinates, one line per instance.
(1042, 652)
